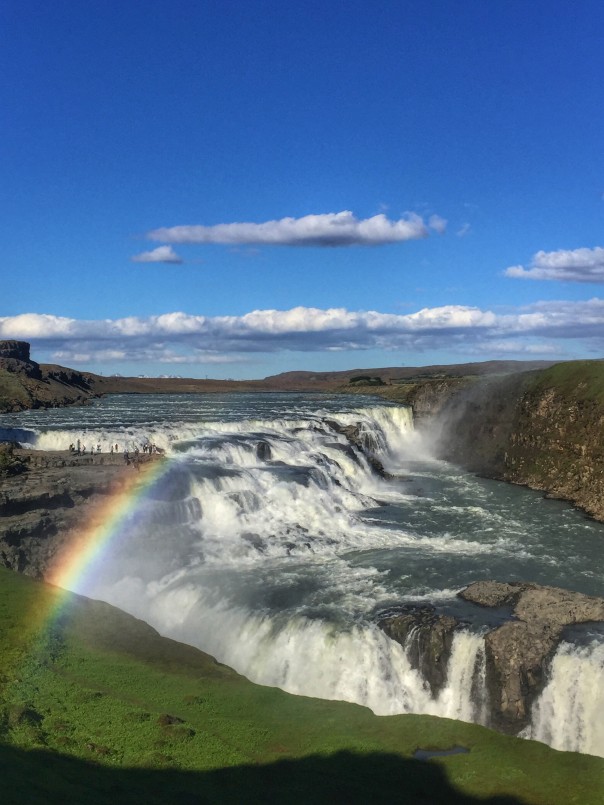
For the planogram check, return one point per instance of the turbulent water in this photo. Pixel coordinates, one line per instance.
(273, 544)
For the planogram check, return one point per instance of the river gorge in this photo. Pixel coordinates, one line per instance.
(284, 533)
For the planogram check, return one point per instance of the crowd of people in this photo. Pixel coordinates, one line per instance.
(147, 448)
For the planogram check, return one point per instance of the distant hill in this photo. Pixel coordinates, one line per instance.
(393, 373)
(27, 384)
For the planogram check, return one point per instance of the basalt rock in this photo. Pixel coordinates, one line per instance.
(427, 638)
(14, 350)
(53, 497)
(263, 451)
(517, 652)
(15, 358)
(27, 384)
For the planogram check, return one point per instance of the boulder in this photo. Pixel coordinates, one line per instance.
(518, 652)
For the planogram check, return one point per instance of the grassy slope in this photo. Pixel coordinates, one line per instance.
(86, 713)
(12, 391)
(580, 380)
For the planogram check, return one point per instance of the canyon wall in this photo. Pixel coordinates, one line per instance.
(541, 429)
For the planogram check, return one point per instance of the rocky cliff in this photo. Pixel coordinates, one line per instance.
(27, 384)
(44, 497)
(542, 429)
(532, 619)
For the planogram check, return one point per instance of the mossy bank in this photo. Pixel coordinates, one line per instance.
(96, 707)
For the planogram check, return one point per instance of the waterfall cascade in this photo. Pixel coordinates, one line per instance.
(272, 542)
(569, 714)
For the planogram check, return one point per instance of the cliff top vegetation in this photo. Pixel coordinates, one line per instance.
(584, 380)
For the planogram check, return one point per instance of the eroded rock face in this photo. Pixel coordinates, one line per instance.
(16, 350)
(427, 637)
(56, 496)
(544, 430)
(517, 652)
(362, 441)
(27, 384)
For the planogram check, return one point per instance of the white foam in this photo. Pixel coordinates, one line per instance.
(569, 713)
(310, 657)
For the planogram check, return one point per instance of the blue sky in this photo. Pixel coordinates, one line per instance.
(234, 189)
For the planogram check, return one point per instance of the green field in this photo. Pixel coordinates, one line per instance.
(98, 708)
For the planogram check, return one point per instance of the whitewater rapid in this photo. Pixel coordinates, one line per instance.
(273, 544)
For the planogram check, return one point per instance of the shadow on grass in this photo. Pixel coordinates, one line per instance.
(39, 777)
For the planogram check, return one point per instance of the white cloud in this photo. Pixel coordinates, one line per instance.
(162, 254)
(464, 230)
(151, 354)
(437, 223)
(329, 229)
(576, 265)
(529, 349)
(178, 337)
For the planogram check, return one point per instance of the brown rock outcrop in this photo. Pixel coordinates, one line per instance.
(518, 652)
(27, 384)
(14, 350)
(58, 493)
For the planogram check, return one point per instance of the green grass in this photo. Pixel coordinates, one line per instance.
(581, 380)
(100, 709)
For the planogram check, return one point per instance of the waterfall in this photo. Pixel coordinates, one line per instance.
(464, 696)
(313, 657)
(569, 713)
(272, 540)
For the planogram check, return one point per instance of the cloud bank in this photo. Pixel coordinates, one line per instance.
(577, 265)
(162, 254)
(329, 229)
(542, 328)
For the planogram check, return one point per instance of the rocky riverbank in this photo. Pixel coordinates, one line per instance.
(46, 496)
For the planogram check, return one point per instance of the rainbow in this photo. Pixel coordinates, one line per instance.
(75, 565)
(75, 568)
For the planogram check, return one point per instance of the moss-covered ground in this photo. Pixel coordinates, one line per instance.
(97, 708)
